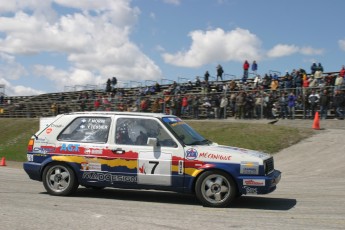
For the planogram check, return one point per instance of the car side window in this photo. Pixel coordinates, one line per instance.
(87, 129)
(136, 131)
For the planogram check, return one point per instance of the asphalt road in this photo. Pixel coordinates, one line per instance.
(310, 195)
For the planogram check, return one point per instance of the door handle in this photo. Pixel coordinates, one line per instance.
(118, 151)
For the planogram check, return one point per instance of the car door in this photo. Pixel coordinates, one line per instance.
(148, 151)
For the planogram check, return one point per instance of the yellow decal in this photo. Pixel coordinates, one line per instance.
(131, 164)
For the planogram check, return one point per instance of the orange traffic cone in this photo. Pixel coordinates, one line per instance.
(3, 161)
(316, 124)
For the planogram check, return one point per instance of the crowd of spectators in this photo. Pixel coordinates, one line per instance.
(270, 96)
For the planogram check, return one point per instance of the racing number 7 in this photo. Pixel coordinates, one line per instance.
(154, 167)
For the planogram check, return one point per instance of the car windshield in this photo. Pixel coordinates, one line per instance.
(184, 132)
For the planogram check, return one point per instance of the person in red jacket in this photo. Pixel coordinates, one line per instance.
(342, 72)
(245, 70)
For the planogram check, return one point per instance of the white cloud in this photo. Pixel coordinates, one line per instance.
(18, 90)
(282, 50)
(341, 44)
(9, 68)
(94, 38)
(217, 45)
(173, 2)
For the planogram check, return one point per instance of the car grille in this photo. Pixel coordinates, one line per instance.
(269, 165)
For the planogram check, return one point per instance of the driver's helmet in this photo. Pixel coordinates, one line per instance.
(135, 131)
(122, 134)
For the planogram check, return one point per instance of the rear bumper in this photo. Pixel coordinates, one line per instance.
(259, 184)
(33, 170)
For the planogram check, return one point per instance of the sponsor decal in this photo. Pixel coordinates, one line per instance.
(250, 190)
(180, 167)
(254, 182)
(91, 166)
(142, 169)
(214, 156)
(44, 149)
(191, 154)
(41, 141)
(99, 176)
(249, 168)
(89, 151)
(30, 157)
(49, 130)
(70, 147)
(57, 126)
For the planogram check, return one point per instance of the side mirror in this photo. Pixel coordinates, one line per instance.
(152, 141)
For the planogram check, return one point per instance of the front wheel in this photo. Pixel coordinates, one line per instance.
(59, 180)
(215, 189)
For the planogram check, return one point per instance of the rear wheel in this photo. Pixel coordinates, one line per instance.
(59, 179)
(215, 189)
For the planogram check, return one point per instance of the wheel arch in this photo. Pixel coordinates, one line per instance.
(215, 169)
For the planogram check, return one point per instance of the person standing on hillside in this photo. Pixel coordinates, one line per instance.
(324, 103)
(291, 105)
(313, 101)
(206, 76)
(254, 67)
(245, 70)
(220, 72)
(339, 104)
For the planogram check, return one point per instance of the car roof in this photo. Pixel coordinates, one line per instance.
(142, 114)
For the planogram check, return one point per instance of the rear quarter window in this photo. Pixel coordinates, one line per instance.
(87, 129)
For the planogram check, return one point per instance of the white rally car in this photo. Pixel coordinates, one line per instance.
(144, 151)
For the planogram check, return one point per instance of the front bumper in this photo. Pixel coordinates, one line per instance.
(259, 184)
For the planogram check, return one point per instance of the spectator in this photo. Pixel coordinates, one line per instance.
(298, 83)
(258, 105)
(274, 86)
(339, 81)
(342, 71)
(283, 104)
(245, 70)
(257, 81)
(291, 105)
(313, 101)
(144, 105)
(184, 105)
(318, 74)
(249, 106)
(305, 84)
(206, 76)
(207, 106)
(97, 105)
(240, 100)
(338, 103)
(195, 106)
(108, 86)
(220, 72)
(324, 103)
(223, 105)
(197, 82)
(215, 103)
(113, 82)
(254, 67)
(1, 99)
(313, 68)
(155, 106)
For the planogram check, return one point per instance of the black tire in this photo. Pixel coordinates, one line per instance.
(215, 189)
(59, 179)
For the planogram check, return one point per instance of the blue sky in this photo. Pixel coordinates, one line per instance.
(48, 45)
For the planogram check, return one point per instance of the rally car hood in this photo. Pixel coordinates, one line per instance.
(217, 153)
